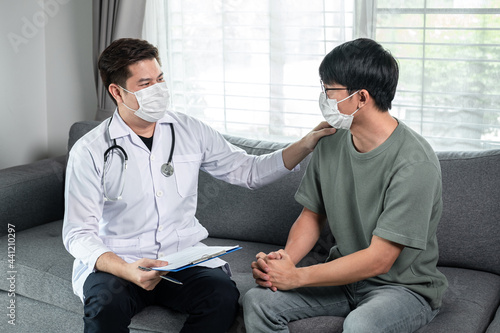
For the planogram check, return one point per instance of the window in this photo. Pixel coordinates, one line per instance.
(450, 68)
(250, 68)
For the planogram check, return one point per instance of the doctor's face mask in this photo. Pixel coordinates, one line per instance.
(331, 112)
(153, 102)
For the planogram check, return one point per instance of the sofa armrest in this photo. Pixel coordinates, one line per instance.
(32, 194)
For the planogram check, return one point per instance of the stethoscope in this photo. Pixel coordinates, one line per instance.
(167, 169)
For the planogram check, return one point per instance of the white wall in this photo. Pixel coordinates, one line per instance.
(47, 80)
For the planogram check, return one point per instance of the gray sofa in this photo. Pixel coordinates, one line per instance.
(36, 267)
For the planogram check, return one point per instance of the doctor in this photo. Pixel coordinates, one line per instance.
(131, 195)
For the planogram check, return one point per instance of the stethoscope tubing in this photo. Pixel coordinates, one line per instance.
(166, 166)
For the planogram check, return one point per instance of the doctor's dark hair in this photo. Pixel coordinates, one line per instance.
(362, 64)
(115, 60)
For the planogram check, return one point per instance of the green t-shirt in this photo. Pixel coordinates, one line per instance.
(393, 192)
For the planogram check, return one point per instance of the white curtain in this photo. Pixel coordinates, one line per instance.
(250, 68)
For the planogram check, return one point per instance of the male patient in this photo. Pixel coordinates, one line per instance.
(378, 184)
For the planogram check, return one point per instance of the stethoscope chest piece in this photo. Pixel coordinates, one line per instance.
(167, 169)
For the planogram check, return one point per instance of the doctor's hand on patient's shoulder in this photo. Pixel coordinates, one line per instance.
(297, 151)
(321, 130)
(145, 279)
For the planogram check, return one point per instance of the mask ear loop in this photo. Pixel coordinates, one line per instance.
(125, 105)
(354, 93)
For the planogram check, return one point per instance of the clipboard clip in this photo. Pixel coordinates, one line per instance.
(207, 257)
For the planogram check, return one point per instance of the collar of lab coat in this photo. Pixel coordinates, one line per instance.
(118, 128)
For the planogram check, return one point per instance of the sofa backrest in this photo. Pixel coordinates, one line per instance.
(469, 231)
(79, 129)
(263, 215)
(32, 194)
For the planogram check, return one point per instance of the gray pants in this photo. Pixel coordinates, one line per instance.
(367, 307)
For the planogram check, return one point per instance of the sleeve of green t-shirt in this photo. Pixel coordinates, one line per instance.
(309, 193)
(412, 203)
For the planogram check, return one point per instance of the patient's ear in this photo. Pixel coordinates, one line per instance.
(364, 97)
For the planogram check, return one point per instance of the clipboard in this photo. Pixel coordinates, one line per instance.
(193, 256)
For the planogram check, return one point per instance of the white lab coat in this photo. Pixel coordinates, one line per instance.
(156, 215)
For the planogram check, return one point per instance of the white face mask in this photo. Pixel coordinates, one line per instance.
(153, 102)
(331, 112)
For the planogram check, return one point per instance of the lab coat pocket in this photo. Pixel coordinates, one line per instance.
(186, 172)
(124, 248)
(191, 236)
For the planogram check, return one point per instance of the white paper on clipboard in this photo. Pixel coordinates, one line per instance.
(192, 256)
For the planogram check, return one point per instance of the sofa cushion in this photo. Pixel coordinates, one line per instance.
(469, 303)
(495, 324)
(469, 232)
(43, 267)
(35, 316)
(468, 306)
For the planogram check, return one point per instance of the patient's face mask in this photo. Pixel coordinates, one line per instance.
(153, 102)
(331, 112)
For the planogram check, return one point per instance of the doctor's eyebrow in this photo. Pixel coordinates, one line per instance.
(149, 79)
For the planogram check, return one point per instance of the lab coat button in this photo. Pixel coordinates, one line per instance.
(159, 193)
(152, 157)
(160, 254)
(160, 228)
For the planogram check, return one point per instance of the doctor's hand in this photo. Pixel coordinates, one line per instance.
(110, 263)
(321, 130)
(297, 151)
(146, 279)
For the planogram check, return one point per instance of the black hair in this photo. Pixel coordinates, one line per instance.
(115, 60)
(362, 64)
